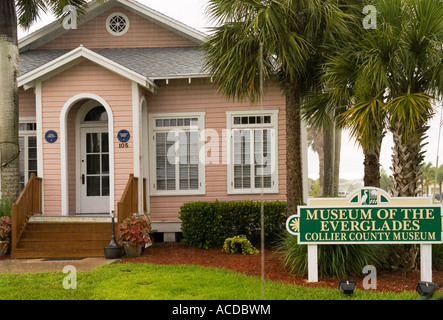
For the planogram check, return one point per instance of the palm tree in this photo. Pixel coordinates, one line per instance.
(358, 105)
(409, 77)
(426, 177)
(401, 61)
(288, 31)
(12, 14)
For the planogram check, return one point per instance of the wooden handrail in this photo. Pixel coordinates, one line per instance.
(128, 203)
(28, 203)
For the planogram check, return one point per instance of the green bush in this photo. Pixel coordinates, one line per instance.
(208, 224)
(5, 208)
(333, 260)
(437, 257)
(239, 244)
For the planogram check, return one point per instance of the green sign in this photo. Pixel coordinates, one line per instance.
(366, 224)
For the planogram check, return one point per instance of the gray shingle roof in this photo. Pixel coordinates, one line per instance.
(154, 63)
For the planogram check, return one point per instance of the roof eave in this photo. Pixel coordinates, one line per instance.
(29, 79)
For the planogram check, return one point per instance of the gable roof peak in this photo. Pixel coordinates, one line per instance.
(56, 29)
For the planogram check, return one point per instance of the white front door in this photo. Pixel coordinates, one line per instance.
(94, 170)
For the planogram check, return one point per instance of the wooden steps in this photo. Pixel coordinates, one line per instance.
(63, 239)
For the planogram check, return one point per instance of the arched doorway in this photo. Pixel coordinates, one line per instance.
(93, 187)
(87, 156)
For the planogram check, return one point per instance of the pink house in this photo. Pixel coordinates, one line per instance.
(124, 94)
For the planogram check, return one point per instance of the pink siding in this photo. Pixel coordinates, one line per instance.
(26, 103)
(201, 95)
(83, 78)
(142, 33)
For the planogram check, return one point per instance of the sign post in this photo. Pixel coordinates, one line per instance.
(368, 216)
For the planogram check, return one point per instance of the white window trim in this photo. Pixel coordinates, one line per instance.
(152, 152)
(25, 134)
(108, 20)
(230, 155)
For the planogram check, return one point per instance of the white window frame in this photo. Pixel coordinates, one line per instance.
(152, 151)
(231, 127)
(26, 134)
(112, 32)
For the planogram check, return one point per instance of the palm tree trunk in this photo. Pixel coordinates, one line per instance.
(406, 162)
(371, 167)
(9, 68)
(294, 172)
(328, 168)
(337, 153)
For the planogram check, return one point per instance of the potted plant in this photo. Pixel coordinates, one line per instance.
(5, 234)
(134, 233)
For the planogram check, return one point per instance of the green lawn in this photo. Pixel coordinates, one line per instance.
(167, 282)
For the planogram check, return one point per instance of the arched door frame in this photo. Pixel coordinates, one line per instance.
(64, 148)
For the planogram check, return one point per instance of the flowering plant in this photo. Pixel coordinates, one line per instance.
(3, 245)
(5, 232)
(5, 228)
(135, 230)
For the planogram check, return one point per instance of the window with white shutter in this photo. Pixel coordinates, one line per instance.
(253, 165)
(176, 144)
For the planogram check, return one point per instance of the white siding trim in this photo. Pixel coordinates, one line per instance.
(136, 141)
(39, 121)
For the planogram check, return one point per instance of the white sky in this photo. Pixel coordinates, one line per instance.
(192, 13)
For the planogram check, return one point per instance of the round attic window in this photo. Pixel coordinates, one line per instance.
(117, 24)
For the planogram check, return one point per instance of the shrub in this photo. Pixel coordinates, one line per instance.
(5, 208)
(239, 244)
(437, 257)
(208, 224)
(333, 260)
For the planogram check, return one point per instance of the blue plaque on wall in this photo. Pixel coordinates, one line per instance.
(51, 136)
(123, 135)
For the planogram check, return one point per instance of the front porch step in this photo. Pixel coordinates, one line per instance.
(46, 239)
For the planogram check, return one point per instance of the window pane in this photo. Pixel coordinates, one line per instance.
(21, 142)
(32, 142)
(93, 186)
(170, 184)
(92, 143)
(97, 114)
(32, 166)
(161, 184)
(165, 169)
(193, 184)
(105, 163)
(93, 164)
(242, 148)
(105, 142)
(105, 185)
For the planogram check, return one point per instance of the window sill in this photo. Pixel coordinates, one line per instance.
(240, 192)
(177, 193)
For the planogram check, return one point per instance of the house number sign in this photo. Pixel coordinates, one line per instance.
(123, 136)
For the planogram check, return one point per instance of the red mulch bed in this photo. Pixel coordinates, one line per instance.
(174, 253)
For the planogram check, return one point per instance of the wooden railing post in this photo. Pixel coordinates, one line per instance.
(128, 203)
(28, 203)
